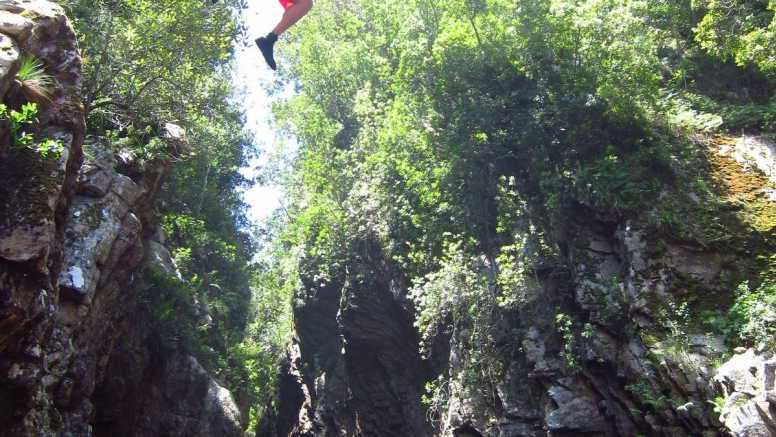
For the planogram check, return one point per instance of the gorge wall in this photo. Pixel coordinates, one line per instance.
(78, 355)
(622, 328)
(615, 336)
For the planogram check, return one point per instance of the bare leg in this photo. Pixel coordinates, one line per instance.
(292, 15)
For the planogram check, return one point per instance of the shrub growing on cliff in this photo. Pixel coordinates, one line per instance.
(21, 139)
(437, 100)
(168, 304)
(464, 298)
(457, 290)
(36, 84)
(146, 60)
(754, 313)
(17, 120)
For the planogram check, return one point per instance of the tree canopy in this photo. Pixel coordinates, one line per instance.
(408, 113)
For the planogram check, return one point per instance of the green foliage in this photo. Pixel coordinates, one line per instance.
(147, 62)
(717, 322)
(168, 303)
(647, 393)
(206, 225)
(22, 139)
(17, 121)
(680, 111)
(610, 185)
(666, 222)
(640, 387)
(436, 397)
(428, 134)
(459, 297)
(566, 326)
(752, 116)
(274, 284)
(718, 403)
(457, 289)
(754, 313)
(743, 31)
(135, 140)
(49, 146)
(36, 84)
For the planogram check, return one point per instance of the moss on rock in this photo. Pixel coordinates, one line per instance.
(30, 189)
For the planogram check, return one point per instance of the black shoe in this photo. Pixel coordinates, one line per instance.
(265, 44)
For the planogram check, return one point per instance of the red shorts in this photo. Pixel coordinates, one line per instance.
(286, 3)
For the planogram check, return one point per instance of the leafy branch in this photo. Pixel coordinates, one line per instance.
(24, 140)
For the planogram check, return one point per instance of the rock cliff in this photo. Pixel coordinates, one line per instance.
(616, 336)
(74, 235)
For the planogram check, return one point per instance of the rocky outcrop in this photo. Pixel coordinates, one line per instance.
(176, 397)
(73, 238)
(747, 406)
(356, 369)
(96, 318)
(36, 196)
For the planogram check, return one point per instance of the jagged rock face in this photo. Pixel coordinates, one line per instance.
(642, 363)
(82, 389)
(147, 391)
(383, 365)
(72, 237)
(356, 369)
(35, 194)
(747, 384)
(175, 397)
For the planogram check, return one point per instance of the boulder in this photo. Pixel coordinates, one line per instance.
(745, 382)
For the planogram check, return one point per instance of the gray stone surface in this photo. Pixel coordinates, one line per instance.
(745, 381)
(97, 171)
(15, 25)
(9, 62)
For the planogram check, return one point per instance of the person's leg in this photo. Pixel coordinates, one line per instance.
(266, 44)
(299, 9)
